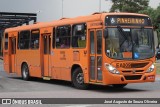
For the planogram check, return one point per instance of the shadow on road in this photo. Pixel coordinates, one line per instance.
(40, 80)
(111, 89)
(96, 88)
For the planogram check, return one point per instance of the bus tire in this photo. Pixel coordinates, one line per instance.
(119, 85)
(78, 79)
(25, 72)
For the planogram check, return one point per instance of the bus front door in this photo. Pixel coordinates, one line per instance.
(46, 54)
(95, 36)
(12, 53)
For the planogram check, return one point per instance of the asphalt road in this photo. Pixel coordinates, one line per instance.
(12, 86)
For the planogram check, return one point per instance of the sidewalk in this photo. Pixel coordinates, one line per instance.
(158, 75)
(1, 58)
(157, 61)
(1, 61)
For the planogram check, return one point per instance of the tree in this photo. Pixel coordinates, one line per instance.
(129, 5)
(152, 13)
(158, 14)
(139, 6)
(155, 17)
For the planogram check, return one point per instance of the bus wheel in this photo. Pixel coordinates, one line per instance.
(119, 85)
(78, 79)
(25, 72)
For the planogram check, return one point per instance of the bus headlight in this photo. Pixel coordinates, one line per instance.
(150, 69)
(111, 69)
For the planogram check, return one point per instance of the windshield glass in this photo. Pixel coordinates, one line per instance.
(129, 43)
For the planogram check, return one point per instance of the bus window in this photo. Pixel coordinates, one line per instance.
(79, 35)
(63, 34)
(13, 45)
(6, 41)
(34, 39)
(45, 45)
(23, 42)
(53, 38)
(92, 49)
(99, 42)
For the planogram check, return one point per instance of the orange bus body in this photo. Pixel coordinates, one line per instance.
(60, 63)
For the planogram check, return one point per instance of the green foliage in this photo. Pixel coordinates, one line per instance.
(129, 5)
(139, 6)
(155, 17)
(153, 13)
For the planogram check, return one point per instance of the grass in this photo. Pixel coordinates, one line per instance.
(158, 67)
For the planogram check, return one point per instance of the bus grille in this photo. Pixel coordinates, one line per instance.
(135, 77)
(139, 65)
(130, 71)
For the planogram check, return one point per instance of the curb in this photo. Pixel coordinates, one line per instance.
(1, 57)
(158, 77)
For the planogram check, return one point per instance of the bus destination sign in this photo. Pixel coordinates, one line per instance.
(125, 20)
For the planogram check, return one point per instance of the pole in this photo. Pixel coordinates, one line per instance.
(99, 5)
(62, 8)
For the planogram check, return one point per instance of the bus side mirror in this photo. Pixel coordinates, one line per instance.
(105, 33)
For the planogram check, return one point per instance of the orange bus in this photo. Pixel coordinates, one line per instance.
(102, 48)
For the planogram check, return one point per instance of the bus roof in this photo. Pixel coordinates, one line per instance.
(65, 21)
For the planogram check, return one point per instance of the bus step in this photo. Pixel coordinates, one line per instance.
(46, 78)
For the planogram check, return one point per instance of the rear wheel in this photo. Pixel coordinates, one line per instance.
(78, 79)
(119, 85)
(25, 72)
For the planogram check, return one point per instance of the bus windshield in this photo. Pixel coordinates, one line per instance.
(129, 43)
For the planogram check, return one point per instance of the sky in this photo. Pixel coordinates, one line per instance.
(48, 10)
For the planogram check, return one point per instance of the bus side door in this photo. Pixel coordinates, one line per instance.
(95, 38)
(6, 53)
(46, 50)
(12, 52)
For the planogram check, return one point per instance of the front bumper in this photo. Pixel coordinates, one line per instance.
(110, 78)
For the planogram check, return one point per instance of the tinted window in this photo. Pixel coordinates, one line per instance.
(34, 39)
(99, 42)
(63, 36)
(23, 42)
(53, 38)
(92, 49)
(79, 35)
(6, 41)
(13, 45)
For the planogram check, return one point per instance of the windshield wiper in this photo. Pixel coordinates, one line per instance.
(123, 34)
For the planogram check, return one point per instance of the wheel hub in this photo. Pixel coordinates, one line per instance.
(25, 72)
(80, 78)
